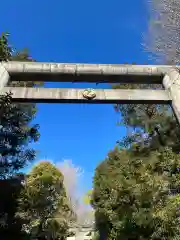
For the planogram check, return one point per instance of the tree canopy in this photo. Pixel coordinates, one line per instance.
(43, 203)
(16, 133)
(136, 188)
(16, 130)
(135, 197)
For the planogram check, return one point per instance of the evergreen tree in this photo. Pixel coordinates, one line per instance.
(43, 203)
(133, 196)
(16, 132)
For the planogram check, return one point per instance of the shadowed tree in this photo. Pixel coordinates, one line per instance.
(10, 226)
(16, 132)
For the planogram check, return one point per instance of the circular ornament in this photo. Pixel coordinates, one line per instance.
(89, 93)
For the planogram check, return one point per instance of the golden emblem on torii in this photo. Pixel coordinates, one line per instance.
(89, 93)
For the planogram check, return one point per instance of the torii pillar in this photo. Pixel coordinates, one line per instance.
(171, 82)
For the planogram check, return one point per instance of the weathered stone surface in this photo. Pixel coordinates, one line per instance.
(55, 95)
(171, 83)
(112, 69)
(4, 77)
(62, 72)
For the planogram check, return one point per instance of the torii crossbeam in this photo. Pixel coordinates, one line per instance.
(168, 76)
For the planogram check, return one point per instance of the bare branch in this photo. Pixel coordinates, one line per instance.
(162, 39)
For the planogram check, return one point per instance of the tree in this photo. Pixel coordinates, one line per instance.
(152, 128)
(16, 133)
(43, 202)
(131, 196)
(10, 226)
(161, 40)
(5, 49)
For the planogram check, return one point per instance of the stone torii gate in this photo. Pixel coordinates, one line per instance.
(168, 76)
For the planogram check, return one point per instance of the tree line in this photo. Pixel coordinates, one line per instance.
(136, 189)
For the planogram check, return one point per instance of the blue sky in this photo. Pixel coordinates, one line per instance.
(78, 31)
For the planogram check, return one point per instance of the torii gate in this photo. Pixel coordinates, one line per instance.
(168, 76)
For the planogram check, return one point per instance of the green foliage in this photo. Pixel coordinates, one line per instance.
(15, 129)
(5, 49)
(149, 125)
(10, 226)
(42, 200)
(136, 189)
(55, 230)
(16, 133)
(133, 195)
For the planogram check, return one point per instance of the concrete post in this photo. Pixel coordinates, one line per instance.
(4, 77)
(171, 82)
